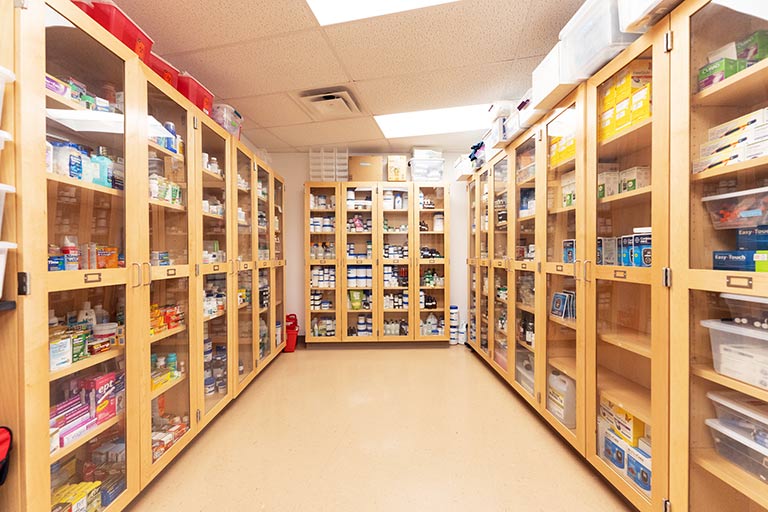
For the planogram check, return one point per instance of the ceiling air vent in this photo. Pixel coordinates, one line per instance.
(329, 104)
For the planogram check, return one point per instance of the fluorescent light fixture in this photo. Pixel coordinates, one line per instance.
(434, 122)
(329, 12)
(757, 8)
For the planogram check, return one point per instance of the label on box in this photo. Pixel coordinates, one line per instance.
(607, 251)
(569, 251)
(641, 251)
(615, 451)
(755, 118)
(742, 261)
(639, 469)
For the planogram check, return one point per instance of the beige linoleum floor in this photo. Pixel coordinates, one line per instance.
(398, 429)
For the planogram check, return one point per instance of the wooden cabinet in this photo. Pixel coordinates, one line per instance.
(710, 464)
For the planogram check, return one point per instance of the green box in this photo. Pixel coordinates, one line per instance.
(753, 48)
(717, 71)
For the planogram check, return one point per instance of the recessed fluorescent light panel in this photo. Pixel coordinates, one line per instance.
(434, 122)
(329, 12)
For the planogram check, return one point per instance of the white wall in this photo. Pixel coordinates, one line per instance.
(294, 167)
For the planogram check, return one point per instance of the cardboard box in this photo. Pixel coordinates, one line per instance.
(614, 451)
(634, 178)
(641, 107)
(625, 424)
(366, 168)
(397, 168)
(716, 72)
(622, 115)
(727, 51)
(632, 78)
(607, 184)
(607, 123)
(741, 261)
(721, 159)
(639, 469)
(755, 118)
(569, 251)
(641, 251)
(607, 95)
(754, 47)
(606, 251)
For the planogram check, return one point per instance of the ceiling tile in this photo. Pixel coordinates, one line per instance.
(271, 110)
(448, 88)
(300, 60)
(467, 32)
(366, 146)
(451, 142)
(183, 25)
(264, 139)
(330, 132)
(543, 24)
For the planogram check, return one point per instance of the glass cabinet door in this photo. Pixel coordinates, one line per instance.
(500, 317)
(561, 187)
(501, 239)
(358, 284)
(484, 232)
(525, 330)
(278, 275)
(525, 213)
(396, 241)
(474, 289)
(87, 254)
(245, 211)
(266, 328)
(473, 219)
(245, 264)
(322, 218)
(263, 194)
(170, 179)
(433, 306)
(278, 203)
(485, 311)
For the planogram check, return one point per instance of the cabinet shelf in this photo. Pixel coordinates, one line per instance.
(525, 307)
(168, 386)
(431, 232)
(705, 371)
(628, 140)
(565, 364)
(214, 317)
(213, 216)
(74, 182)
(167, 334)
(628, 197)
(743, 481)
(564, 209)
(167, 205)
(86, 363)
(243, 305)
(628, 339)
(167, 152)
(565, 165)
(526, 218)
(526, 346)
(732, 91)
(322, 311)
(628, 395)
(53, 100)
(757, 164)
(91, 434)
(565, 322)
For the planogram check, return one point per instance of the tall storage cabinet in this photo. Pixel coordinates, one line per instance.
(716, 463)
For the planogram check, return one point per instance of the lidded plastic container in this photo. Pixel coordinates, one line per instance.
(164, 69)
(739, 352)
(228, 118)
(746, 415)
(640, 15)
(423, 169)
(111, 17)
(196, 93)
(739, 449)
(592, 38)
(736, 210)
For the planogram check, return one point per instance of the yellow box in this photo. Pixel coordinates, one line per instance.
(554, 151)
(623, 115)
(622, 422)
(633, 77)
(397, 168)
(642, 104)
(607, 95)
(607, 124)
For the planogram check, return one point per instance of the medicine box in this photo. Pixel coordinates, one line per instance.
(727, 51)
(721, 159)
(739, 138)
(568, 188)
(634, 178)
(607, 184)
(625, 249)
(622, 115)
(754, 47)
(755, 118)
(642, 101)
(632, 78)
(752, 239)
(639, 469)
(716, 72)
(607, 95)
(755, 150)
(397, 168)
(625, 424)
(608, 123)
(607, 251)
(740, 261)
(614, 451)
(641, 251)
(569, 251)
(100, 392)
(644, 443)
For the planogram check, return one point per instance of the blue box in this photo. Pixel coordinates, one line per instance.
(641, 250)
(569, 251)
(639, 468)
(741, 261)
(615, 451)
(626, 250)
(55, 263)
(752, 239)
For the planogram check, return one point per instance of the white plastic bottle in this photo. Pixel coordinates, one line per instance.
(53, 320)
(87, 314)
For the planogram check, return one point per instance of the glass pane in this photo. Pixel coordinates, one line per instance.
(214, 197)
(485, 215)
(245, 334)
(473, 219)
(278, 220)
(245, 241)
(279, 276)
(265, 313)
(322, 238)
(215, 332)
(500, 192)
(484, 309)
(525, 329)
(395, 244)
(728, 150)
(433, 304)
(561, 349)
(262, 193)
(561, 188)
(501, 336)
(359, 283)
(525, 179)
(472, 328)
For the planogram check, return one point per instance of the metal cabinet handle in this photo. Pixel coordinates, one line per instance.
(137, 266)
(586, 263)
(149, 273)
(575, 270)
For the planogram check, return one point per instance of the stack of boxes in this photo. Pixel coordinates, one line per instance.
(624, 442)
(751, 254)
(738, 140)
(733, 58)
(633, 250)
(626, 99)
(561, 149)
(167, 428)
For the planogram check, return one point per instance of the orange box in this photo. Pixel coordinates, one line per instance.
(366, 168)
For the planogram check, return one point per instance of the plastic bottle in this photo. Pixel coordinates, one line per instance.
(87, 314)
(53, 320)
(102, 316)
(106, 167)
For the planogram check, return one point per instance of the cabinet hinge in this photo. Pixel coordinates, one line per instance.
(197, 269)
(540, 135)
(667, 279)
(195, 122)
(667, 506)
(538, 267)
(198, 415)
(24, 284)
(668, 42)
(21, 4)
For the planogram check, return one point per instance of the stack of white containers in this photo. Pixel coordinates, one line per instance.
(328, 164)
(6, 77)
(454, 318)
(426, 165)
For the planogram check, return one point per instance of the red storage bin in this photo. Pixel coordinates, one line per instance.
(111, 17)
(195, 92)
(85, 6)
(164, 68)
(292, 330)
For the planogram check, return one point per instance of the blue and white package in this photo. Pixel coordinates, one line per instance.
(569, 251)
(615, 451)
(639, 469)
(741, 261)
(641, 251)
(626, 250)
(752, 239)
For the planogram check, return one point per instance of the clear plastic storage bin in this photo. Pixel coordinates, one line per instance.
(592, 38)
(639, 15)
(739, 449)
(746, 415)
(739, 352)
(6, 77)
(550, 83)
(527, 114)
(736, 210)
(228, 118)
(524, 370)
(426, 169)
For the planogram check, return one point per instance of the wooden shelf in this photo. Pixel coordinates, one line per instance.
(322, 210)
(57, 101)
(432, 287)
(628, 140)
(244, 190)
(321, 311)
(526, 218)
(167, 152)
(431, 210)
(263, 199)
(86, 363)
(569, 323)
(526, 346)
(395, 287)
(523, 307)
(706, 371)
(732, 92)
(565, 364)
(209, 176)
(406, 310)
(323, 233)
(351, 233)
(626, 197)
(167, 205)
(743, 481)
(757, 164)
(91, 434)
(168, 385)
(634, 341)
(263, 310)
(565, 165)
(628, 395)
(243, 305)
(564, 209)
(167, 334)
(83, 279)
(213, 317)
(213, 216)
(431, 232)
(66, 180)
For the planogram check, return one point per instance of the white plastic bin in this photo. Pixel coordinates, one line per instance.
(550, 83)
(739, 352)
(561, 398)
(6, 77)
(592, 38)
(426, 169)
(739, 449)
(735, 210)
(4, 190)
(512, 126)
(527, 114)
(744, 414)
(4, 137)
(4, 248)
(637, 16)
(524, 370)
